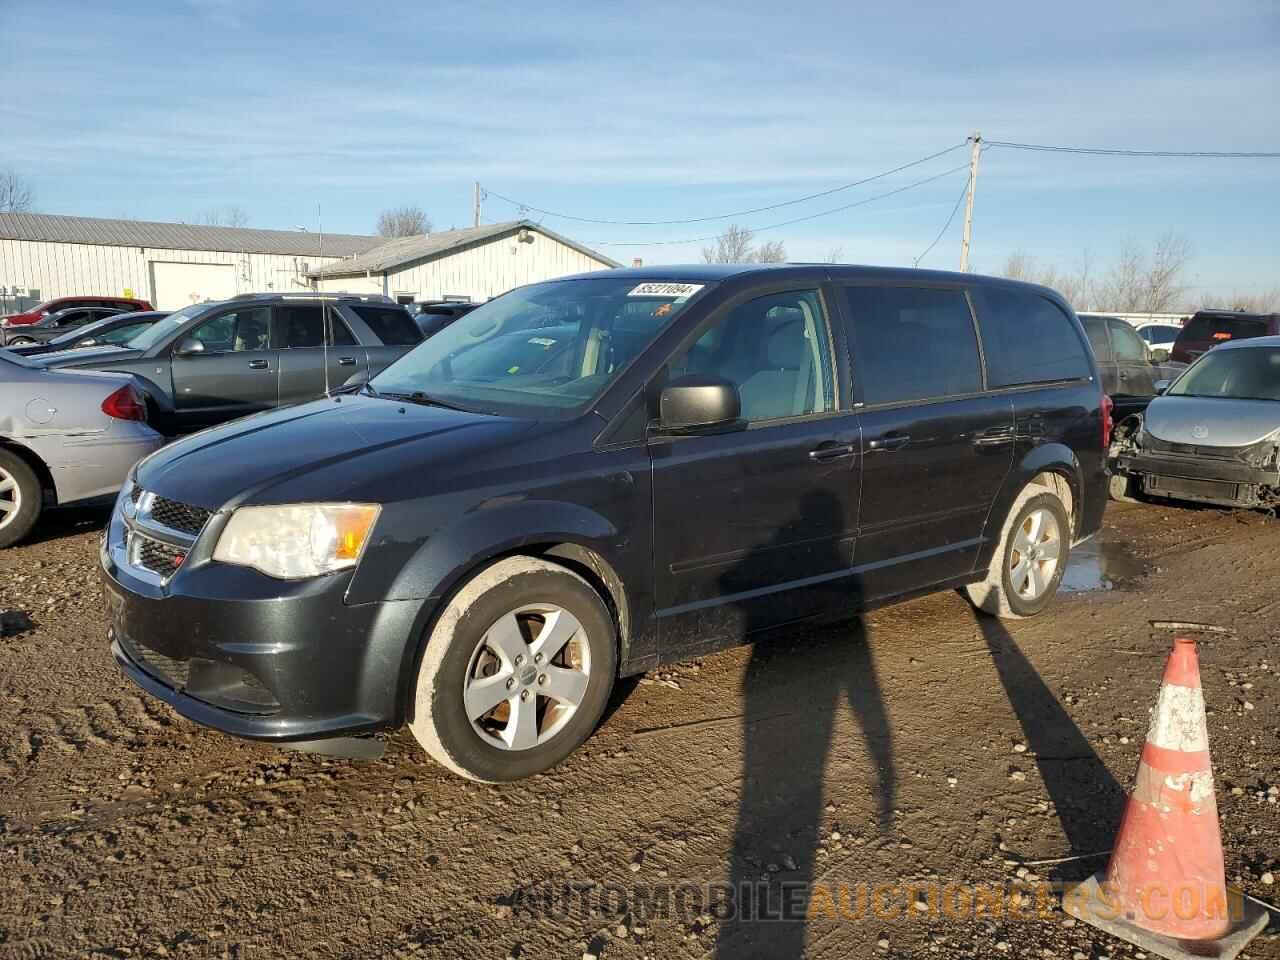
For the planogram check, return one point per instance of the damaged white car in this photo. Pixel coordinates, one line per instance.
(1212, 436)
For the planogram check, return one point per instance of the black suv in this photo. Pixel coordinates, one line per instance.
(213, 362)
(588, 477)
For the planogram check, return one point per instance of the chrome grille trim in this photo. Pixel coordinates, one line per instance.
(158, 534)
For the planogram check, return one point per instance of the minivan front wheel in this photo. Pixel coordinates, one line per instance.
(516, 673)
(1029, 563)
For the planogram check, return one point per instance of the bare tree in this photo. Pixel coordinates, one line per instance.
(737, 245)
(772, 252)
(15, 193)
(406, 221)
(1138, 283)
(1268, 301)
(228, 215)
(835, 254)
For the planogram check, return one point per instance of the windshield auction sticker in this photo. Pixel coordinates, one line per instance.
(679, 291)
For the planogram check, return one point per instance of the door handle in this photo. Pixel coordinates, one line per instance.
(346, 361)
(257, 364)
(1124, 375)
(889, 442)
(995, 437)
(832, 451)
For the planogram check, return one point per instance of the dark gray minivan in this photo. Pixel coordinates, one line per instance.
(588, 477)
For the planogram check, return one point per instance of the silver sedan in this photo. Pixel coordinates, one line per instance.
(1213, 436)
(65, 437)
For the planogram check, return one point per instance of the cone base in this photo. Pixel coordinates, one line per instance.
(1077, 899)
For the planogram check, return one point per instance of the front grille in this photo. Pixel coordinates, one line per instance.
(173, 673)
(1152, 444)
(178, 516)
(135, 494)
(160, 558)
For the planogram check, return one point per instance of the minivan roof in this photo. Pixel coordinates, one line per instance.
(712, 272)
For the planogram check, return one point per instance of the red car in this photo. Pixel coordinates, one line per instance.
(62, 303)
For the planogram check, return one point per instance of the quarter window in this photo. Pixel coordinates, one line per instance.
(1027, 339)
(912, 343)
(775, 349)
(393, 326)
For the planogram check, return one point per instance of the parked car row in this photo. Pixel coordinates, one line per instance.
(165, 374)
(37, 313)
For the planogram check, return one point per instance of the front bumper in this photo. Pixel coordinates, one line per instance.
(1202, 479)
(255, 657)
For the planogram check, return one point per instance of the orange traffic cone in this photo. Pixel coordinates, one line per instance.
(1165, 887)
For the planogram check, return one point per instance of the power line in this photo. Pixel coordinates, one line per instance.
(784, 223)
(954, 210)
(724, 216)
(1106, 152)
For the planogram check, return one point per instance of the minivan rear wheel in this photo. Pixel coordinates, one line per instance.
(516, 673)
(1029, 563)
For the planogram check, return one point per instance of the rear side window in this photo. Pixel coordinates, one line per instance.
(393, 326)
(912, 343)
(1209, 327)
(1028, 339)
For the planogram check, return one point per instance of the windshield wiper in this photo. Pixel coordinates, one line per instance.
(421, 398)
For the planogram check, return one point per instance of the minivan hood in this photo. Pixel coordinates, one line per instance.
(1211, 421)
(85, 355)
(238, 460)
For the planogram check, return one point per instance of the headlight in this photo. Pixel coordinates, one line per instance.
(298, 540)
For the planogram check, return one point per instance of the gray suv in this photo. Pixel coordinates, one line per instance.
(213, 362)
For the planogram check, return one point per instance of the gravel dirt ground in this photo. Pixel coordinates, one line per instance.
(918, 744)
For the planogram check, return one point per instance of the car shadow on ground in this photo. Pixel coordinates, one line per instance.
(1087, 798)
(67, 522)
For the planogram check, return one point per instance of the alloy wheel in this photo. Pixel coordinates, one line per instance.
(1034, 554)
(527, 677)
(10, 497)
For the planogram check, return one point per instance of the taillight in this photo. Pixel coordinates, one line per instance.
(1107, 406)
(125, 404)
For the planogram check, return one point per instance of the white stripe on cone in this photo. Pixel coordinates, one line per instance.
(1179, 720)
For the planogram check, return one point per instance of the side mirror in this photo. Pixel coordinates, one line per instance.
(697, 402)
(189, 347)
(1159, 354)
(1161, 386)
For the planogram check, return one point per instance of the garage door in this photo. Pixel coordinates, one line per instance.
(179, 285)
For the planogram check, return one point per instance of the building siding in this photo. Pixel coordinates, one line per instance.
(79, 269)
(478, 272)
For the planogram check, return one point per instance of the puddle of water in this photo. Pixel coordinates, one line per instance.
(1101, 565)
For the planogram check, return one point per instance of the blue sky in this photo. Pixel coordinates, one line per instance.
(640, 110)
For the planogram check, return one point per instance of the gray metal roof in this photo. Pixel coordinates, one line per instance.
(405, 250)
(178, 236)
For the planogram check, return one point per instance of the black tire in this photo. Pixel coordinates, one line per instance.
(440, 722)
(995, 595)
(16, 524)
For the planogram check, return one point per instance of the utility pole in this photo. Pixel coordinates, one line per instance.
(476, 206)
(975, 151)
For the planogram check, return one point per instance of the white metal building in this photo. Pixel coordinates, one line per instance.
(170, 264)
(475, 263)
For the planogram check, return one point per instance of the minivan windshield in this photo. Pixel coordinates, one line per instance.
(545, 349)
(162, 329)
(1245, 373)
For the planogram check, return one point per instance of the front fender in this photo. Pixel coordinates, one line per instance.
(453, 551)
